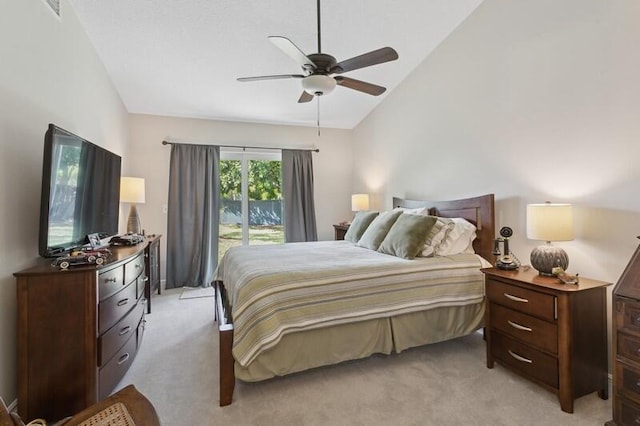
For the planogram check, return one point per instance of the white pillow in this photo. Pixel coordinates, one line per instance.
(458, 240)
(420, 210)
(435, 237)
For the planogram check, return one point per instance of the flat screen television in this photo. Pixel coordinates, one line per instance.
(80, 192)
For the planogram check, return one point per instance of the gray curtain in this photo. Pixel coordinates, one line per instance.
(299, 208)
(193, 216)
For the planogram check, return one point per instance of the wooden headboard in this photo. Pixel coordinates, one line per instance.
(478, 210)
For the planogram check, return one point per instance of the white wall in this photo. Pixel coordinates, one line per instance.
(530, 100)
(50, 73)
(533, 101)
(150, 159)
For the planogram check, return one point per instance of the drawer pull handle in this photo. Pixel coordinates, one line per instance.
(638, 383)
(125, 330)
(111, 280)
(520, 358)
(146, 279)
(138, 266)
(123, 358)
(123, 302)
(637, 420)
(518, 326)
(637, 319)
(515, 298)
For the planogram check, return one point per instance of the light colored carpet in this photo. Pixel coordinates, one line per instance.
(196, 292)
(442, 384)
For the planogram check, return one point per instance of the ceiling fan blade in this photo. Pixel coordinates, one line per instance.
(374, 57)
(361, 86)
(292, 51)
(271, 77)
(305, 97)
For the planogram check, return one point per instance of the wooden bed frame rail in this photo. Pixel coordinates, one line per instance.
(222, 315)
(477, 210)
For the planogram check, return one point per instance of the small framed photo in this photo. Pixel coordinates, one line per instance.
(94, 240)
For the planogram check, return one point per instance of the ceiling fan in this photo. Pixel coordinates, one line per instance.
(321, 72)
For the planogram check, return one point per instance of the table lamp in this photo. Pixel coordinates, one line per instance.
(549, 222)
(132, 191)
(359, 202)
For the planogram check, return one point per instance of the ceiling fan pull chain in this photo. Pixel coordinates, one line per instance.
(318, 116)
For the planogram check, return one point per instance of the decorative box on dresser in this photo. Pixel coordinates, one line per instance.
(78, 331)
(626, 345)
(551, 333)
(340, 230)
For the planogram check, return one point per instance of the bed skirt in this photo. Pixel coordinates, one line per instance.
(331, 345)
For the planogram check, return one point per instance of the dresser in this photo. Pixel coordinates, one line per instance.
(626, 345)
(551, 333)
(79, 330)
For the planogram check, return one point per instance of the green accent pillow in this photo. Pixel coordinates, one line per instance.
(378, 229)
(360, 223)
(406, 237)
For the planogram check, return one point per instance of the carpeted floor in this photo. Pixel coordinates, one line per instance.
(442, 384)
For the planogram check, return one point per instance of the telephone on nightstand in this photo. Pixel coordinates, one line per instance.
(507, 260)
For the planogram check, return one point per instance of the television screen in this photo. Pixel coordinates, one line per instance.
(80, 192)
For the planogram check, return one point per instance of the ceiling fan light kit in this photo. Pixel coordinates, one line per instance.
(318, 84)
(319, 68)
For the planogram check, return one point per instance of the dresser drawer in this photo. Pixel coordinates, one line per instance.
(520, 299)
(111, 373)
(111, 310)
(141, 282)
(531, 330)
(628, 382)
(110, 282)
(117, 336)
(133, 268)
(630, 318)
(627, 413)
(629, 347)
(525, 359)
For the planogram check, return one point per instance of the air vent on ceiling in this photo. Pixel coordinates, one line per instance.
(55, 6)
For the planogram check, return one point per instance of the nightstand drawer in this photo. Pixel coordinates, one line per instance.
(531, 330)
(525, 359)
(520, 299)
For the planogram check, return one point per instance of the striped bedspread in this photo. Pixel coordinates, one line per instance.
(280, 289)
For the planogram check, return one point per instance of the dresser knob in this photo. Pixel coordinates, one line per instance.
(638, 384)
(111, 280)
(637, 420)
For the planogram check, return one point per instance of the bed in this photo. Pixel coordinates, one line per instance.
(332, 301)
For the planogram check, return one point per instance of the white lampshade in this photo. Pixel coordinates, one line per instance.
(550, 222)
(318, 84)
(132, 190)
(359, 202)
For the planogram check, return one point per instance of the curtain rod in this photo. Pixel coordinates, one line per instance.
(244, 147)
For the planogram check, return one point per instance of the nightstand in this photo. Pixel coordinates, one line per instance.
(551, 333)
(340, 230)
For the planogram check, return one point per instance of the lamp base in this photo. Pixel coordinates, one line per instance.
(133, 222)
(546, 257)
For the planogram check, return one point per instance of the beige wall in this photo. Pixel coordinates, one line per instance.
(530, 100)
(150, 159)
(49, 73)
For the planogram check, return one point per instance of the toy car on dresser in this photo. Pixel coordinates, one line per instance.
(82, 257)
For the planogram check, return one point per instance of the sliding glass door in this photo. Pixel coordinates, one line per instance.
(251, 199)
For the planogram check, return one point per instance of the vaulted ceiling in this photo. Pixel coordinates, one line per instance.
(182, 57)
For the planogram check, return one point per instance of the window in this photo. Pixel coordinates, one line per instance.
(250, 199)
